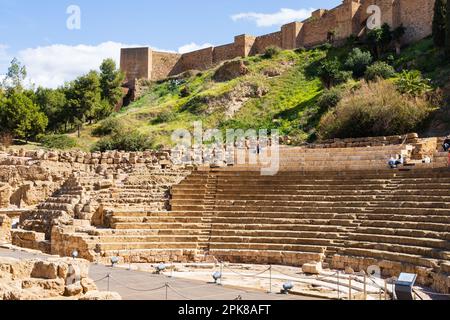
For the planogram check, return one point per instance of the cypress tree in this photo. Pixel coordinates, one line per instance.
(439, 22)
(447, 42)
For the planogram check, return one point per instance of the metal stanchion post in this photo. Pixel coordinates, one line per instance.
(350, 288)
(270, 279)
(365, 287)
(338, 287)
(385, 290)
(167, 291)
(108, 280)
(221, 272)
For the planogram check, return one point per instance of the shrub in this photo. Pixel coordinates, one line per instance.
(358, 61)
(127, 141)
(379, 70)
(329, 99)
(164, 116)
(58, 142)
(331, 74)
(271, 52)
(376, 109)
(107, 127)
(185, 92)
(412, 83)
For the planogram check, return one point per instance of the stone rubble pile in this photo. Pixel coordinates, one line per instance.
(63, 278)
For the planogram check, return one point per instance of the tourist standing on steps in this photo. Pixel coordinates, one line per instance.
(446, 144)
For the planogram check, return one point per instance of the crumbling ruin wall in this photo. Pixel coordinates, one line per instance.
(48, 279)
(5, 229)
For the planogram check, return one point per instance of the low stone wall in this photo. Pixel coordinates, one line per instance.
(5, 194)
(411, 138)
(23, 157)
(437, 278)
(65, 241)
(5, 229)
(30, 240)
(52, 279)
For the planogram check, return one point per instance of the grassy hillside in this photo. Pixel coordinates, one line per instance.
(278, 92)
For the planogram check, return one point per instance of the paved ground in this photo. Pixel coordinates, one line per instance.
(135, 285)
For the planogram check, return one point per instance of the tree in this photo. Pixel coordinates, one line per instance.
(52, 103)
(84, 98)
(447, 41)
(21, 117)
(111, 80)
(358, 61)
(397, 36)
(439, 23)
(15, 76)
(380, 39)
(331, 74)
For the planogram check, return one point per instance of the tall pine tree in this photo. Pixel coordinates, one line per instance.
(439, 23)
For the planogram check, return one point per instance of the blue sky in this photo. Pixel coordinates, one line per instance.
(36, 32)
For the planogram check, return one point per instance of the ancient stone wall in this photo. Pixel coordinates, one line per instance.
(225, 52)
(268, 40)
(136, 63)
(346, 19)
(165, 64)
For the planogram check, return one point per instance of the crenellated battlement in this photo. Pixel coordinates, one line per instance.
(349, 18)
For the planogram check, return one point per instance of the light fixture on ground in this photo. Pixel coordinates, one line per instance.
(74, 254)
(160, 268)
(114, 261)
(287, 287)
(217, 276)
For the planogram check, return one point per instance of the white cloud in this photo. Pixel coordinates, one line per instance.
(274, 19)
(51, 66)
(192, 47)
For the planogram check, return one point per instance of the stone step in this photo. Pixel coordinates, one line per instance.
(150, 239)
(102, 247)
(267, 246)
(390, 256)
(226, 193)
(411, 233)
(218, 238)
(248, 256)
(401, 240)
(295, 198)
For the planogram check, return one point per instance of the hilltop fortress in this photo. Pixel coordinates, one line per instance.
(349, 18)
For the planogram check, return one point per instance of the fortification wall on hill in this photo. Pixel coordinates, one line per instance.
(342, 21)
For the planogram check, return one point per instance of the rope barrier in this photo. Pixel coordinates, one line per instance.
(134, 289)
(105, 277)
(318, 278)
(178, 293)
(432, 293)
(247, 275)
